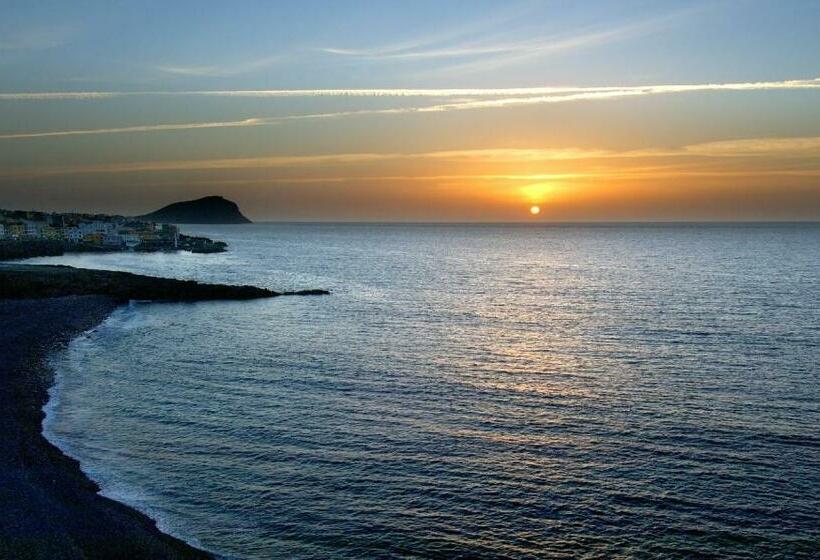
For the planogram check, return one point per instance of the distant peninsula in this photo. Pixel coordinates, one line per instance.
(26, 234)
(207, 210)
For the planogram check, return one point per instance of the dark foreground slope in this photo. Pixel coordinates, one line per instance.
(48, 508)
(208, 210)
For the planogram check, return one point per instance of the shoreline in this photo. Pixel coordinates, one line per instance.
(53, 438)
(49, 508)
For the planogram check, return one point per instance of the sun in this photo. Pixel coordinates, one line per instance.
(535, 210)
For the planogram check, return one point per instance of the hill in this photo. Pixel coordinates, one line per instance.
(208, 210)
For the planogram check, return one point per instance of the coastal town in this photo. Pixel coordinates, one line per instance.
(30, 233)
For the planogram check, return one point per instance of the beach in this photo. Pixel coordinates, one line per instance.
(48, 507)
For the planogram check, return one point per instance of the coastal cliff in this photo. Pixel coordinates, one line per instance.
(49, 509)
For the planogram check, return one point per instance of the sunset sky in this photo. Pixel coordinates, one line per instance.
(415, 111)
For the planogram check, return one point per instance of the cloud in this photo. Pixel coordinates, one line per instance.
(191, 70)
(215, 164)
(518, 52)
(141, 128)
(756, 146)
(59, 95)
(752, 147)
(36, 38)
(482, 54)
(593, 93)
(535, 94)
(214, 71)
(443, 44)
(514, 97)
(276, 93)
(444, 52)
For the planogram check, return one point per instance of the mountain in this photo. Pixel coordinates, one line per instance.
(208, 210)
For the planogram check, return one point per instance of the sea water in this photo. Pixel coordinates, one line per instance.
(602, 391)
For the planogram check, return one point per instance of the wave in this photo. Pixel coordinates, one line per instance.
(69, 363)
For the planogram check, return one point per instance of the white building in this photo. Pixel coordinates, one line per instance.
(130, 238)
(33, 229)
(112, 240)
(73, 235)
(96, 226)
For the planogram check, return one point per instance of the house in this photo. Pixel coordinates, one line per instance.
(15, 230)
(73, 235)
(112, 240)
(130, 237)
(96, 226)
(52, 233)
(32, 228)
(95, 238)
(170, 233)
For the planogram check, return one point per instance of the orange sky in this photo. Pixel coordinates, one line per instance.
(604, 112)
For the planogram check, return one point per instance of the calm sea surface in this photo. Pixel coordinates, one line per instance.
(467, 391)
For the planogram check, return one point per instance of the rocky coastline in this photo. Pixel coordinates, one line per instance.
(49, 509)
(14, 249)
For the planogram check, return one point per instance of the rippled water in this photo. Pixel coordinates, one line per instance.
(493, 391)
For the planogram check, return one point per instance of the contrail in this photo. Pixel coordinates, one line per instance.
(501, 98)
(811, 83)
(141, 128)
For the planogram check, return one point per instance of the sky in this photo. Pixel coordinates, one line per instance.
(415, 111)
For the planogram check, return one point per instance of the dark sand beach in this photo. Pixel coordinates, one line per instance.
(49, 509)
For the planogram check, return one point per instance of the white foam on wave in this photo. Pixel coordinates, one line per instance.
(69, 363)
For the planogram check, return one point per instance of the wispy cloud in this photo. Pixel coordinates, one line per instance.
(59, 95)
(213, 164)
(452, 42)
(519, 45)
(225, 70)
(514, 97)
(141, 128)
(592, 94)
(742, 148)
(755, 146)
(36, 38)
(535, 94)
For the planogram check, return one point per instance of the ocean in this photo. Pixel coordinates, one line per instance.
(496, 391)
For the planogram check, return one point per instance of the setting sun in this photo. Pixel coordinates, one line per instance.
(535, 210)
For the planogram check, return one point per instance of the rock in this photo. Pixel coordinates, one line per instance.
(207, 210)
(19, 281)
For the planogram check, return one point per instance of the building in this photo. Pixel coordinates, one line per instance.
(95, 238)
(112, 240)
(73, 235)
(15, 230)
(86, 231)
(52, 233)
(130, 237)
(32, 229)
(96, 226)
